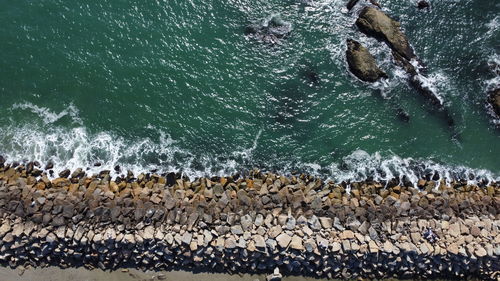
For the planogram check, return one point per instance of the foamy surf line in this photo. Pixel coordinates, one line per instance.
(70, 149)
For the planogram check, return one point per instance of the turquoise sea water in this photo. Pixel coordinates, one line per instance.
(177, 85)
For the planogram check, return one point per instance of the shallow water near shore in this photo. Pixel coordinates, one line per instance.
(179, 87)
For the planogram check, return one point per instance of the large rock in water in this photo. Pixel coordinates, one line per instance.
(494, 101)
(375, 23)
(362, 63)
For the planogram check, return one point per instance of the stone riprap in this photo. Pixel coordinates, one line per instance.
(299, 224)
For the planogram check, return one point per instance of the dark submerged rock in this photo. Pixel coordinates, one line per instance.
(270, 30)
(422, 4)
(403, 115)
(362, 63)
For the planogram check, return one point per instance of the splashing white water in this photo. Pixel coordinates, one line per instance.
(48, 116)
(77, 148)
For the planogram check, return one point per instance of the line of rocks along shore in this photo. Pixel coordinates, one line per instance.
(258, 223)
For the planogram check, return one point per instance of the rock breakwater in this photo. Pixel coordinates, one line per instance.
(263, 221)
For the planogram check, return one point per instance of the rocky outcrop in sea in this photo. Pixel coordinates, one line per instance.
(299, 225)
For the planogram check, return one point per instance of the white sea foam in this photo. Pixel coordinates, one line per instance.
(493, 84)
(77, 148)
(361, 165)
(47, 115)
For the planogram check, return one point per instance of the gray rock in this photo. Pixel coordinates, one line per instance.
(290, 223)
(373, 233)
(337, 224)
(259, 220)
(363, 228)
(186, 238)
(271, 244)
(242, 243)
(314, 223)
(246, 222)
(169, 238)
(309, 245)
(322, 242)
(236, 230)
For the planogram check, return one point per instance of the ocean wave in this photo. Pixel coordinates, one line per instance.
(77, 148)
(48, 116)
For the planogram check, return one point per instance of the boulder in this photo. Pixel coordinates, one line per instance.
(296, 243)
(361, 63)
(259, 241)
(276, 276)
(351, 4)
(494, 102)
(246, 222)
(283, 240)
(376, 23)
(326, 222)
(230, 243)
(65, 173)
(275, 231)
(422, 4)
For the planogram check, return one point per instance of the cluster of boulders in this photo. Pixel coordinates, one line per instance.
(375, 23)
(255, 223)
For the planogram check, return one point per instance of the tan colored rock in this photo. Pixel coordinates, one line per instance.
(347, 234)
(376, 23)
(275, 231)
(361, 63)
(373, 247)
(336, 247)
(283, 240)
(480, 252)
(454, 229)
(296, 243)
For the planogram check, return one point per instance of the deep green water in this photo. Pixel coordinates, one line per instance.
(177, 85)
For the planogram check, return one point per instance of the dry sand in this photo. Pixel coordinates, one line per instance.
(83, 274)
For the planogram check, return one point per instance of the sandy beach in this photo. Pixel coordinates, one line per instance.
(83, 274)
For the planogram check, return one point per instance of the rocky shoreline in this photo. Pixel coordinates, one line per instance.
(255, 224)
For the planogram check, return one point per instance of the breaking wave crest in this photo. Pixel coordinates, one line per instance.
(77, 148)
